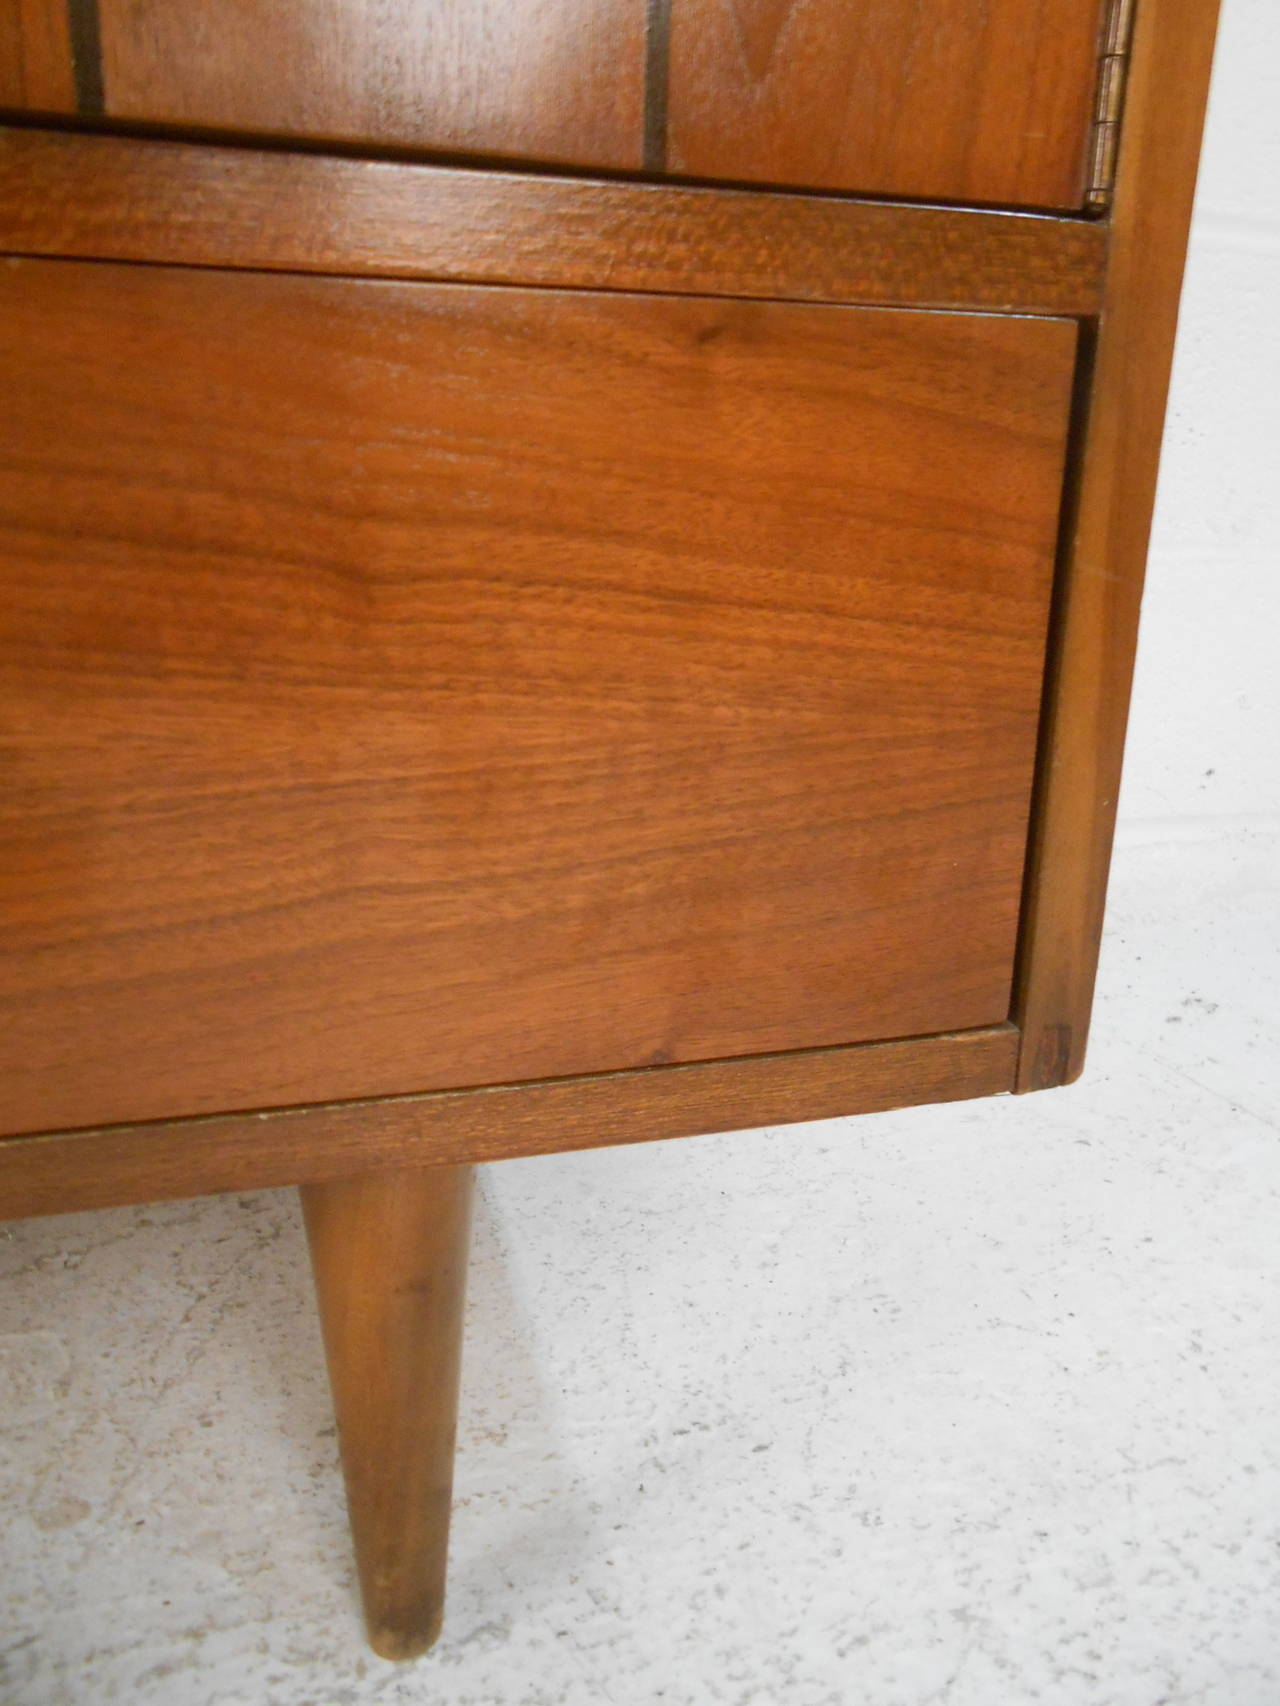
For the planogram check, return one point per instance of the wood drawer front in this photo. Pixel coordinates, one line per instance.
(409, 686)
(517, 78)
(959, 100)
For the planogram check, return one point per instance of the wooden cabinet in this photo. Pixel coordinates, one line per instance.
(497, 660)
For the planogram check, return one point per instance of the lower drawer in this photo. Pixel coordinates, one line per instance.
(409, 686)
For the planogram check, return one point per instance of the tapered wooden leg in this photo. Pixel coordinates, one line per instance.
(389, 1252)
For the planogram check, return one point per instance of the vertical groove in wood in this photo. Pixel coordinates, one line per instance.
(657, 73)
(389, 1252)
(1088, 701)
(1077, 438)
(86, 57)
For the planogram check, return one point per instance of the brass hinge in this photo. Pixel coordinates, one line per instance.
(1104, 145)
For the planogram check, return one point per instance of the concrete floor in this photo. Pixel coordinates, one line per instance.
(974, 1404)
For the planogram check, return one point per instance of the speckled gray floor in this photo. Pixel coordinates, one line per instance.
(974, 1405)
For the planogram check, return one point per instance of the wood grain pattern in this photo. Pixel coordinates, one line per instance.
(36, 67)
(113, 198)
(1097, 627)
(556, 82)
(71, 1171)
(965, 100)
(389, 1254)
(410, 686)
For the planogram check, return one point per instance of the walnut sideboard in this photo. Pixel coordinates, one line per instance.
(569, 574)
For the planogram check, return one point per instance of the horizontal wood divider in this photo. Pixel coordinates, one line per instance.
(65, 1171)
(193, 204)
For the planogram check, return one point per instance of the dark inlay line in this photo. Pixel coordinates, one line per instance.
(657, 65)
(86, 57)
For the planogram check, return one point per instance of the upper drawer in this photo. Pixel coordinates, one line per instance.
(962, 100)
(959, 100)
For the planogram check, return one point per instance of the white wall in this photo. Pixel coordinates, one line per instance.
(1205, 733)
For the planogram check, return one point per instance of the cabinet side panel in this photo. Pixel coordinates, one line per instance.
(1088, 703)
